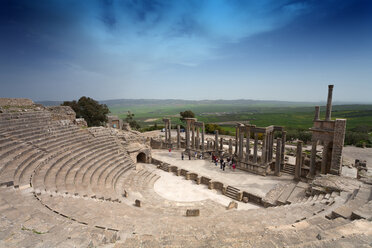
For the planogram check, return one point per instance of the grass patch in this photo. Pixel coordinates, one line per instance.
(32, 230)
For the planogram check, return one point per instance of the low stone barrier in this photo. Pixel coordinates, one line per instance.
(192, 176)
(253, 198)
(216, 185)
(192, 212)
(173, 169)
(205, 180)
(184, 172)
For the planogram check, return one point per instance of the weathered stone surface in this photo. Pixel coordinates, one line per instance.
(336, 183)
(16, 102)
(62, 113)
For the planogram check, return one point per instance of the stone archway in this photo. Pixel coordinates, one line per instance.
(141, 158)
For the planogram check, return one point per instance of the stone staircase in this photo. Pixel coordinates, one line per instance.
(288, 169)
(232, 192)
(358, 206)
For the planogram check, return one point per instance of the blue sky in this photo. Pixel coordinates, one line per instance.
(194, 49)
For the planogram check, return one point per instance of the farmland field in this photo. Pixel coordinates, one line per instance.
(225, 113)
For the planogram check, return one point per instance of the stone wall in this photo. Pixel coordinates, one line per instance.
(62, 113)
(16, 102)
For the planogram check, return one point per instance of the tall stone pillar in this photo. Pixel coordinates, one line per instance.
(202, 135)
(197, 138)
(313, 159)
(187, 134)
(317, 113)
(272, 146)
(284, 137)
(236, 138)
(241, 141)
(329, 103)
(166, 132)
(255, 148)
(247, 145)
(216, 141)
(298, 164)
(278, 156)
(178, 136)
(268, 146)
(230, 146)
(263, 153)
(338, 144)
(323, 168)
(169, 132)
(221, 143)
(193, 135)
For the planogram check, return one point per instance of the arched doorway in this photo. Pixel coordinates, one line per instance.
(141, 158)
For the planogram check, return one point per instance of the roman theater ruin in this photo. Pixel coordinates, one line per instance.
(63, 184)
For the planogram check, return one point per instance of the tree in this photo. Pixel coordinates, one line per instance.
(132, 123)
(95, 114)
(186, 114)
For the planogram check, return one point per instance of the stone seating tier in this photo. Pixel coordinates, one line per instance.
(77, 180)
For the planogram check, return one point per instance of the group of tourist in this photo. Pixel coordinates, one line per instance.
(196, 156)
(229, 162)
(215, 159)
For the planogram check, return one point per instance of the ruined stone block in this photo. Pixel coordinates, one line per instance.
(232, 205)
(138, 203)
(192, 212)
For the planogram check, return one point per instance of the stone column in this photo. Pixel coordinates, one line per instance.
(198, 138)
(255, 148)
(241, 141)
(216, 141)
(188, 135)
(317, 113)
(284, 137)
(323, 168)
(272, 146)
(202, 135)
(268, 146)
(313, 159)
(230, 146)
(236, 139)
(247, 145)
(166, 132)
(298, 164)
(263, 153)
(278, 156)
(221, 143)
(338, 144)
(329, 103)
(193, 135)
(178, 136)
(169, 132)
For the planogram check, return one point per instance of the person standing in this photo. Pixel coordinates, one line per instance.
(221, 162)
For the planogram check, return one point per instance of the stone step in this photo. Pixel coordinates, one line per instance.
(285, 194)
